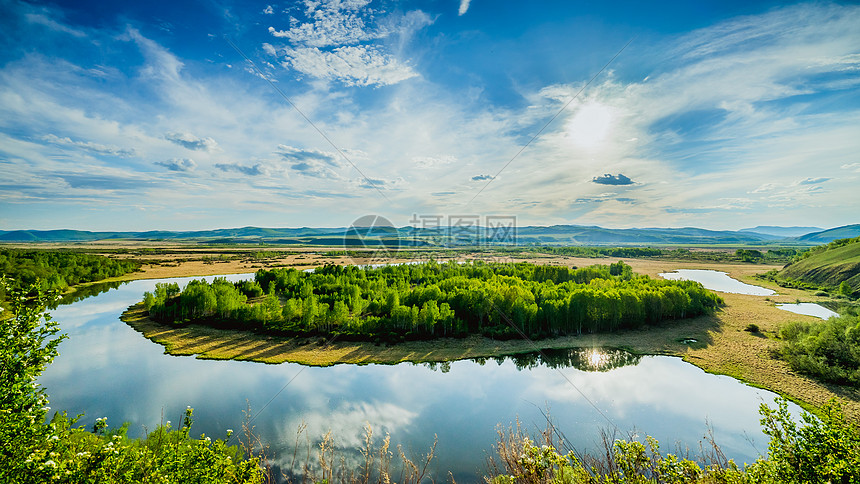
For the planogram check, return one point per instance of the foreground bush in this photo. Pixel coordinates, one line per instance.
(829, 350)
(32, 451)
(825, 449)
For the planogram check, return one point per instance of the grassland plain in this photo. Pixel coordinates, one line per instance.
(722, 346)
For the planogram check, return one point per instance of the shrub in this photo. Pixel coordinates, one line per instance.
(829, 350)
(752, 328)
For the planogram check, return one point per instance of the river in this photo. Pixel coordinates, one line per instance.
(105, 368)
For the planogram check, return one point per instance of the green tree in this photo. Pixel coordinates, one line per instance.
(30, 339)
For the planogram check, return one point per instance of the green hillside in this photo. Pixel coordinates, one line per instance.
(829, 235)
(827, 266)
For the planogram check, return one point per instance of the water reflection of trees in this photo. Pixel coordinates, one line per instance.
(83, 292)
(585, 359)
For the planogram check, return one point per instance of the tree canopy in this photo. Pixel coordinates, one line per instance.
(501, 300)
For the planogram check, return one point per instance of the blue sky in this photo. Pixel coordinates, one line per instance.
(141, 115)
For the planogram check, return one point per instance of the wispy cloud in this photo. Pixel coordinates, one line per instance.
(89, 146)
(41, 19)
(101, 182)
(812, 181)
(434, 161)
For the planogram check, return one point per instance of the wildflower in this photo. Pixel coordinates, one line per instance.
(50, 463)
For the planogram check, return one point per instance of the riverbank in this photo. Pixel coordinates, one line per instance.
(722, 346)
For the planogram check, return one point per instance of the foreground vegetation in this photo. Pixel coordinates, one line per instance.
(829, 350)
(33, 451)
(824, 449)
(432, 300)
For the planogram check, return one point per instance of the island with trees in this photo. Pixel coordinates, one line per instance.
(397, 303)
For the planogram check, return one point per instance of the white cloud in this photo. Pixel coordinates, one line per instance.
(178, 164)
(849, 166)
(312, 163)
(332, 23)
(340, 42)
(464, 7)
(380, 183)
(251, 170)
(191, 142)
(268, 10)
(269, 49)
(351, 65)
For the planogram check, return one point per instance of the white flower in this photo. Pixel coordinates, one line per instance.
(50, 463)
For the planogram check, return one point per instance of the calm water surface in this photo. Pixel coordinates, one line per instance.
(107, 369)
(717, 281)
(809, 309)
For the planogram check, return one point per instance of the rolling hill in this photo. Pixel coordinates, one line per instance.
(782, 231)
(827, 266)
(829, 235)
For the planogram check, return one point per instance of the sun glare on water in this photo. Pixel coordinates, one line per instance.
(596, 359)
(589, 126)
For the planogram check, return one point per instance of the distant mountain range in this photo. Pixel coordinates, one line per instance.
(529, 235)
(782, 231)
